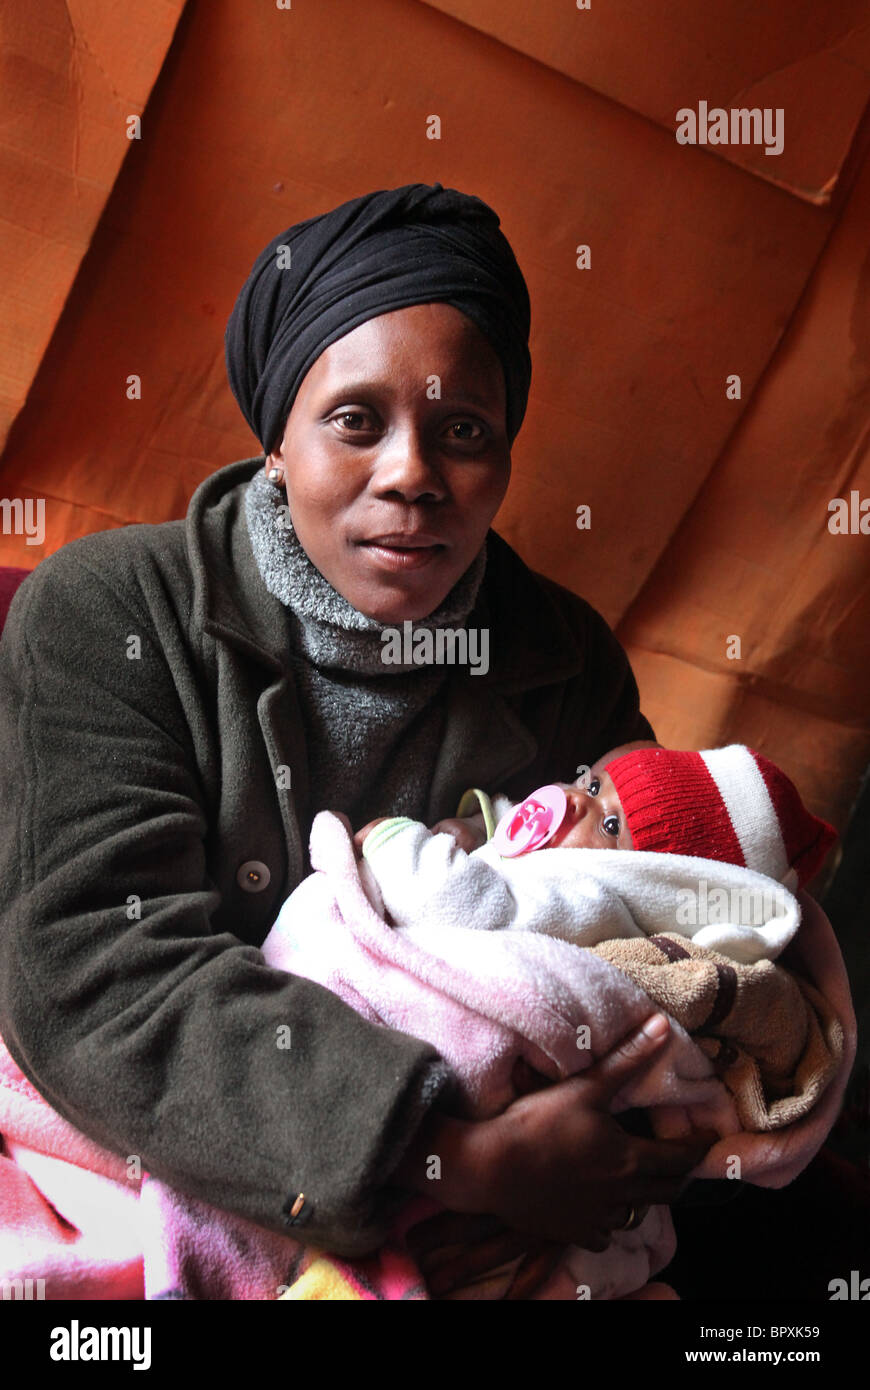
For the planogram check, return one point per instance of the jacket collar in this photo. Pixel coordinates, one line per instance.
(230, 600)
(530, 643)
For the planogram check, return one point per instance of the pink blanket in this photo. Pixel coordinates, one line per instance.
(78, 1218)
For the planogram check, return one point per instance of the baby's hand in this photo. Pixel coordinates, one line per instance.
(468, 833)
(361, 834)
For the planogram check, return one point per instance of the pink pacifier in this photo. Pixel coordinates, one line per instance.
(532, 824)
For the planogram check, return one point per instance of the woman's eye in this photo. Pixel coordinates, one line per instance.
(349, 415)
(611, 825)
(466, 425)
(594, 786)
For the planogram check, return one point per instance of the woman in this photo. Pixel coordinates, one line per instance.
(178, 701)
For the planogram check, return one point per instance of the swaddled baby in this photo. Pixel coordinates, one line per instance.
(729, 805)
(698, 937)
(703, 829)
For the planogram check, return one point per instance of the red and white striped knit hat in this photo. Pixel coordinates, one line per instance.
(729, 803)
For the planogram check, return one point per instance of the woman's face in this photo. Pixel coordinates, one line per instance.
(396, 458)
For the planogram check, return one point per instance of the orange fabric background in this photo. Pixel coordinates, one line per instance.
(709, 515)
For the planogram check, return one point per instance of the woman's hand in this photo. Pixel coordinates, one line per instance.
(556, 1165)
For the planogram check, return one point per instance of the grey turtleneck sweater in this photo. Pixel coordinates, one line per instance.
(373, 730)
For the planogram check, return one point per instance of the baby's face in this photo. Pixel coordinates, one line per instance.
(595, 818)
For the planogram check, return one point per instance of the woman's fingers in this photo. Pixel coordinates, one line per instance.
(663, 1166)
(628, 1218)
(663, 1157)
(630, 1057)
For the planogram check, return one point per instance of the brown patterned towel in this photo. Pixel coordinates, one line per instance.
(775, 1042)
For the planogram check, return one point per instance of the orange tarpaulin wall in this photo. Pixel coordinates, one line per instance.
(700, 379)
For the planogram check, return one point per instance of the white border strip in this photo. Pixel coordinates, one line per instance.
(748, 803)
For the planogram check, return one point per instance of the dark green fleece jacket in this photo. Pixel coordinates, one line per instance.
(151, 751)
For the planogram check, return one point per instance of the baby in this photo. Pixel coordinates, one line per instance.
(500, 1002)
(728, 805)
(639, 794)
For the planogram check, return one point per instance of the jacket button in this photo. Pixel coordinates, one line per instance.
(253, 876)
(296, 1211)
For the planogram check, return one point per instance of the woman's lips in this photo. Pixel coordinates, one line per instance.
(398, 554)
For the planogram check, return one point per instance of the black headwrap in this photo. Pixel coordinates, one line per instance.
(374, 254)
